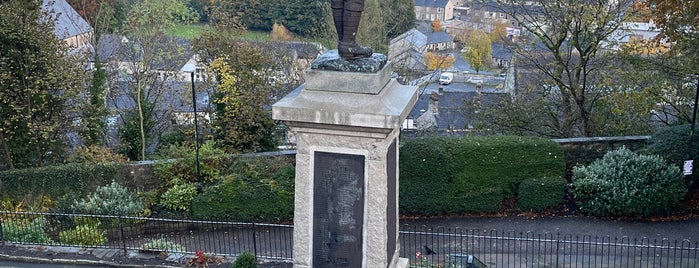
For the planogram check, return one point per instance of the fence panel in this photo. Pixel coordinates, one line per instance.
(423, 246)
(512, 249)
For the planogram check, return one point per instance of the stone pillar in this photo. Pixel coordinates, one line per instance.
(346, 197)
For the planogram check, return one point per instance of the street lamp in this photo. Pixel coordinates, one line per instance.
(191, 68)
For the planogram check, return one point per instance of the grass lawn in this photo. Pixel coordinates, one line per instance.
(190, 31)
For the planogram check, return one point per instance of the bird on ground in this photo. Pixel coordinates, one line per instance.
(429, 251)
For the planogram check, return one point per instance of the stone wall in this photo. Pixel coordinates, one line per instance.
(585, 150)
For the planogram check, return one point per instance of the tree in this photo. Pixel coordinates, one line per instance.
(436, 61)
(564, 57)
(478, 50)
(243, 72)
(94, 113)
(279, 32)
(37, 79)
(436, 25)
(372, 26)
(399, 16)
(148, 48)
(499, 33)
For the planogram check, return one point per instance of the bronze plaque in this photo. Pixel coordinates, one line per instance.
(338, 210)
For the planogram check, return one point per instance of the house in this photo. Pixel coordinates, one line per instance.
(439, 41)
(430, 10)
(446, 113)
(407, 51)
(501, 55)
(69, 25)
(631, 31)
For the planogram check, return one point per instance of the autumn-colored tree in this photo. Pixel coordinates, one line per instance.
(435, 61)
(436, 25)
(478, 50)
(281, 33)
(38, 78)
(499, 33)
(243, 73)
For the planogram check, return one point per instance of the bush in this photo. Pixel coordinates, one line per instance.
(84, 235)
(179, 197)
(95, 154)
(56, 181)
(251, 196)
(245, 260)
(162, 244)
(33, 231)
(625, 184)
(541, 193)
(112, 199)
(665, 143)
(446, 175)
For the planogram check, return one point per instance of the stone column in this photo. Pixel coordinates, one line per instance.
(346, 126)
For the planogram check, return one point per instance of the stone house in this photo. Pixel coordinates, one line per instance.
(69, 25)
(429, 10)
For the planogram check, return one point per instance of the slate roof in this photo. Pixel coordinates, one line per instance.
(452, 112)
(439, 37)
(500, 51)
(68, 22)
(414, 37)
(113, 47)
(431, 3)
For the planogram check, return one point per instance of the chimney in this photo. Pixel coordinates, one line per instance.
(433, 105)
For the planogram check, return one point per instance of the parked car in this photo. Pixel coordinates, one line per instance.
(446, 78)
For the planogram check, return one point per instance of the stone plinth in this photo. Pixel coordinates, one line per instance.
(346, 195)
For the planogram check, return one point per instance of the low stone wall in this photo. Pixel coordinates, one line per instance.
(585, 150)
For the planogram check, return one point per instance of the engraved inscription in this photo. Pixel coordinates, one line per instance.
(338, 211)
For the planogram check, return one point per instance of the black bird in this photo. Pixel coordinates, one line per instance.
(429, 251)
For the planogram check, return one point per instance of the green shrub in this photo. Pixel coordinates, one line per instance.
(670, 143)
(625, 184)
(56, 181)
(446, 175)
(95, 154)
(245, 260)
(112, 199)
(541, 193)
(183, 168)
(162, 244)
(254, 197)
(33, 231)
(179, 197)
(84, 235)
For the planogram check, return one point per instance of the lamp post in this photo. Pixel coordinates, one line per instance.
(191, 68)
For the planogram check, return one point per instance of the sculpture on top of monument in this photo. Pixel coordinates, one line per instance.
(346, 16)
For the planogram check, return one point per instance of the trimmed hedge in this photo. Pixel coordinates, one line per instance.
(251, 194)
(57, 181)
(541, 193)
(446, 175)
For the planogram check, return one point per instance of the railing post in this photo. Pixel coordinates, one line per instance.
(121, 235)
(254, 239)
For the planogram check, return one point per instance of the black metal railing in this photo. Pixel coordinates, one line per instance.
(267, 241)
(452, 247)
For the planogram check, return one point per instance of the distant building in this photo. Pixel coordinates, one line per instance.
(434, 9)
(439, 41)
(69, 25)
(407, 51)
